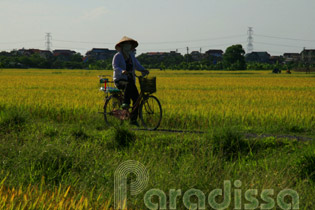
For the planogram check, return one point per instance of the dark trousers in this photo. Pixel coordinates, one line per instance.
(131, 92)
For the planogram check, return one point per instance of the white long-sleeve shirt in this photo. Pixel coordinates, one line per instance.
(119, 64)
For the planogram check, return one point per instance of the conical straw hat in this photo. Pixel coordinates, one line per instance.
(126, 39)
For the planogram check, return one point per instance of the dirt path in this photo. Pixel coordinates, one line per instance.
(247, 135)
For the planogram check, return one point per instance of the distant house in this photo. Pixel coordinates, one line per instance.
(64, 55)
(156, 53)
(99, 54)
(215, 53)
(27, 52)
(162, 54)
(196, 55)
(260, 57)
(291, 57)
(308, 56)
(276, 59)
(174, 53)
(45, 54)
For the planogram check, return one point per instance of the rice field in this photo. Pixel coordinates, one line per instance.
(57, 153)
(190, 99)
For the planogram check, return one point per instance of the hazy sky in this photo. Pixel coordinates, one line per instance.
(158, 25)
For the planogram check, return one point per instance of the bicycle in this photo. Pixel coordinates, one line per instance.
(150, 110)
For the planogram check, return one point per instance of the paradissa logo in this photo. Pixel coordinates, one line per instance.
(250, 195)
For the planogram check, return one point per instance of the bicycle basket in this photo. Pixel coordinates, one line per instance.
(148, 85)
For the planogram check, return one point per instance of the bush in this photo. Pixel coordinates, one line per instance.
(229, 143)
(123, 137)
(12, 120)
(296, 129)
(306, 166)
(79, 133)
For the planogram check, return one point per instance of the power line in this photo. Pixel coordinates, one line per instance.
(282, 45)
(21, 42)
(82, 42)
(165, 42)
(218, 45)
(284, 38)
(195, 40)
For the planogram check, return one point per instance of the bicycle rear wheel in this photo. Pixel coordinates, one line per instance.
(150, 112)
(111, 107)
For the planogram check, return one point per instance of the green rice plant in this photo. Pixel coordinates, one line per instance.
(306, 166)
(229, 143)
(123, 137)
(11, 120)
(79, 132)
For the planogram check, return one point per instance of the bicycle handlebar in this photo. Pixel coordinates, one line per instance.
(128, 73)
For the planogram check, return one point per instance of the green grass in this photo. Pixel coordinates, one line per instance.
(86, 155)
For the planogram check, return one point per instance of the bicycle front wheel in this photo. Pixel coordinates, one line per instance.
(150, 113)
(111, 107)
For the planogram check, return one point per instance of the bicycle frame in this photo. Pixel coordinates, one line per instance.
(142, 96)
(120, 96)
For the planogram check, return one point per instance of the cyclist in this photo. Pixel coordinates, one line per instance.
(124, 66)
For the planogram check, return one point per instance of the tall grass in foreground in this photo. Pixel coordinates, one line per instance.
(35, 197)
(86, 159)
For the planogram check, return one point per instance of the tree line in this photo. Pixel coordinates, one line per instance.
(232, 59)
(75, 61)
